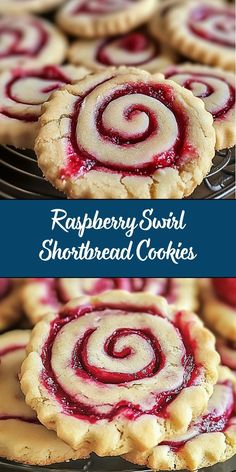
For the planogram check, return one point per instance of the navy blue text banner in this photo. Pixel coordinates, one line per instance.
(117, 238)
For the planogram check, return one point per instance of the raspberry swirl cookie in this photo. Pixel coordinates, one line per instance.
(22, 437)
(22, 93)
(23, 6)
(210, 439)
(10, 306)
(217, 89)
(125, 134)
(99, 18)
(41, 296)
(103, 376)
(219, 306)
(29, 41)
(135, 49)
(227, 351)
(204, 32)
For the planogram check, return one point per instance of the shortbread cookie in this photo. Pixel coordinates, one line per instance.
(119, 371)
(29, 41)
(99, 18)
(204, 32)
(227, 351)
(136, 49)
(210, 439)
(22, 93)
(23, 6)
(22, 437)
(217, 89)
(219, 306)
(125, 134)
(42, 296)
(10, 306)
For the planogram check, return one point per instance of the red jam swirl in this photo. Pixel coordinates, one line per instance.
(15, 32)
(82, 368)
(225, 290)
(5, 286)
(224, 22)
(79, 162)
(101, 7)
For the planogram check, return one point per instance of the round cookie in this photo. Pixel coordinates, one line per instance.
(22, 437)
(100, 18)
(22, 6)
(210, 439)
(219, 306)
(136, 49)
(119, 371)
(126, 134)
(22, 93)
(227, 351)
(204, 32)
(29, 41)
(10, 304)
(42, 296)
(217, 90)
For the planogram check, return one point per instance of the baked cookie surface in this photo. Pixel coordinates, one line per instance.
(22, 93)
(42, 296)
(96, 18)
(217, 90)
(22, 437)
(22, 6)
(136, 49)
(119, 385)
(203, 31)
(30, 41)
(227, 351)
(126, 134)
(210, 439)
(10, 306)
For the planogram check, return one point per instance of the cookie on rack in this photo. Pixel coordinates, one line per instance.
(22, 438)
(210, 439)
(217, 90)
(134, 49)
(219, 306)
(10, 303)
(125, 133)
(203, 31)
(30, 41)
(101, 18)
(119, 371)
(41, 296)
(22, 93)
(33, 6)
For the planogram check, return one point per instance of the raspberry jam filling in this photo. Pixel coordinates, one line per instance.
(5, 286)
(116, 347)
(200, 85)
(13, 37)
(3, 416)
(80, 161)
(225, 290)
(101, 7)
(214, 24)
(217, 419)
(44, 81)
(133, 48)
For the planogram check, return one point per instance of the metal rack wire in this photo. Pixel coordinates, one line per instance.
(20, 177)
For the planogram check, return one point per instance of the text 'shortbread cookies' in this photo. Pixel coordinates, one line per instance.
(29, 41)
(125, 134)
(10, 306)
(210, 439)
(22, 437)
(100, 18)
(22, 93)
(217, 90)
(41, 296)
(119, 371)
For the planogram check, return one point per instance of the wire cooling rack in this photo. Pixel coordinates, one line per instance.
(21, 178)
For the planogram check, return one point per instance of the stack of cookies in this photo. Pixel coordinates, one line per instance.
(125, 369)
(130, 115)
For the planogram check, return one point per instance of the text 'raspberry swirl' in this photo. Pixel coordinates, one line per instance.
(127, 122)
(215, 24)
(216, 92)
(96, 362)
(101, 7)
